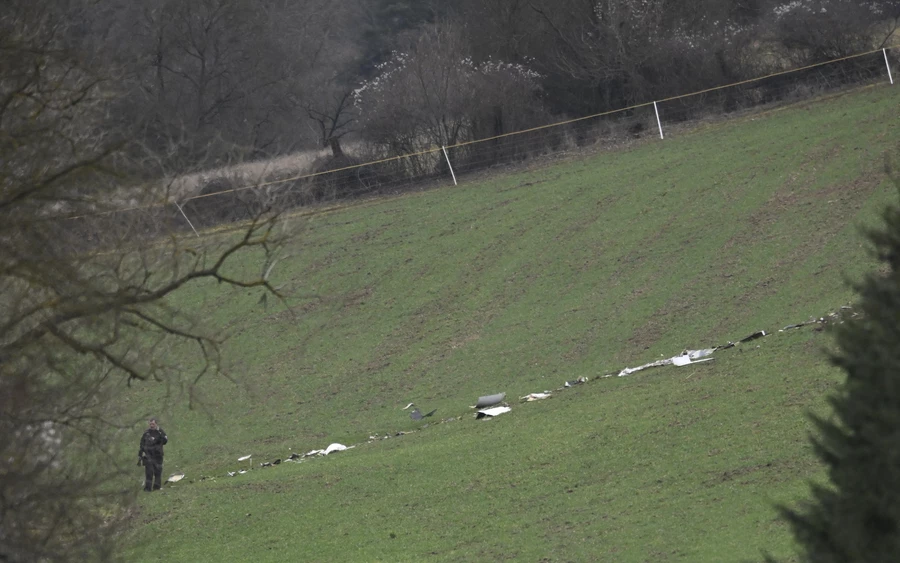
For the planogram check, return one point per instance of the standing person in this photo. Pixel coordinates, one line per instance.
(151, 455)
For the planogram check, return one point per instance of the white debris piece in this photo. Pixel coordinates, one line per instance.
(496, 411)
(629, 371)
(175, 477)
(335, 448)
(330, 449)
(692, 357)
(245, 458)
(683, 359)
(536, 396)
(697, 354)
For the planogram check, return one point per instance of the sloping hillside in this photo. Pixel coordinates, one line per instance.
(517, 284)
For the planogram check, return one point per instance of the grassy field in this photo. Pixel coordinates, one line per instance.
(517, 284)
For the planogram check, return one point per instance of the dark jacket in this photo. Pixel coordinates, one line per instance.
(152, 443)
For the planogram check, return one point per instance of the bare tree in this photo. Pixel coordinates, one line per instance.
(334, 117)
(606, 44)
(75, 324)
(508, 30)
(820, 30)
(610, 54)
(432, 93)
(215, 74)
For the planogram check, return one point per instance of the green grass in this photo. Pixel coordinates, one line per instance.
(518, 283)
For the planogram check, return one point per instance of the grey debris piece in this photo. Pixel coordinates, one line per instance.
(799, 325)
(754, 336)
(417, 415)
(488, 400)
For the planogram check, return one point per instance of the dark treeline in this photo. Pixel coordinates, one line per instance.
(192, 79)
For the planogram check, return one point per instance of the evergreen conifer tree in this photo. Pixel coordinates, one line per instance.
(857, 516)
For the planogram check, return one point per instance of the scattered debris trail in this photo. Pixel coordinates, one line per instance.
(491, 406)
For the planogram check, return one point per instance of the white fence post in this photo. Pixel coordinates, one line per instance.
(186, 218)
(452, 173)
(658, 122)
(888, 65)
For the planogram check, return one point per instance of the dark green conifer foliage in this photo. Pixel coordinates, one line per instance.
(857, 516)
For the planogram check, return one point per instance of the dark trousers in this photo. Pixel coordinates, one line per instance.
(152, 473)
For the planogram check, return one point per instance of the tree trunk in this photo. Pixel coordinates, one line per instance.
(335, 144)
